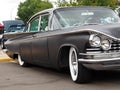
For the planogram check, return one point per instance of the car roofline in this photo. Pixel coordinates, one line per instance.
(51, 10)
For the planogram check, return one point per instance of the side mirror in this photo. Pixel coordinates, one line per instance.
(1, 28)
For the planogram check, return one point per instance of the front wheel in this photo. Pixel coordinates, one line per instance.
(79, 73)
(21, 62)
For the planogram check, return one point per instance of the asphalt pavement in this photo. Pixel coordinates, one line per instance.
(14, 77)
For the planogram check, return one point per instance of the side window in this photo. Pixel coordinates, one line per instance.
(34, 25)
(44, 23)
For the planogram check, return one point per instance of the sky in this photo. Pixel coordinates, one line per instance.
(8, 9)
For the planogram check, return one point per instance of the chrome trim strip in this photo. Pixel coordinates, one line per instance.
(93, 61)
(99, 53)
(97, 31)
(74, 31)
(90, 49)
(95, 52)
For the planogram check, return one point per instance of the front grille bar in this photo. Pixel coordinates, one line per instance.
(115, 47)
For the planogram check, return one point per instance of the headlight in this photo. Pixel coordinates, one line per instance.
(105, 44)
(95, 41)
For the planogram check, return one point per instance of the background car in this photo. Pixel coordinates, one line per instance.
(79, 38)
(1, 32)
(13, 26)
(16, 28)
(10, 27)
(1, 28)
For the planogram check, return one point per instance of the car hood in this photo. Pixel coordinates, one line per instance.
(108, 29)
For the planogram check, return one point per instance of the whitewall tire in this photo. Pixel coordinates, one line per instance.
(79, 73)
(21, 62)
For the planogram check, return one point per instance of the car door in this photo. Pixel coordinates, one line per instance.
(39, 44)
(26, 43)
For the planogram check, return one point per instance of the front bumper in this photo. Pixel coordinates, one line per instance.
(101, 61)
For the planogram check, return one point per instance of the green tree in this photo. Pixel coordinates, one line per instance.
(30, 7)
(62, 3)
(110, 3)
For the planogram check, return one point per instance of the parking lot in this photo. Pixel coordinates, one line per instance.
(14, 77)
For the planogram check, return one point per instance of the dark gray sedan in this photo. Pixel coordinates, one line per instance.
(81, 38)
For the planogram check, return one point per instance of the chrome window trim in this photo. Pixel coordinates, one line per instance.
(40, 21)
(29, 24)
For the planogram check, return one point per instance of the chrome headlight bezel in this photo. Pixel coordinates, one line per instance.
(105, 44)
(101, 41)
(95, 40)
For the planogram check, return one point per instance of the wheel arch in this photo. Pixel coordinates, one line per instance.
(63, 55)
(15, 55)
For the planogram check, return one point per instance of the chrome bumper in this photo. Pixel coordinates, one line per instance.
(101, 61)
(93, 61)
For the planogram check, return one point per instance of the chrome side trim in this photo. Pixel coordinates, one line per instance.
(74, 31)
(99, 53)
(93, 58)
(94, 61)
(97, 31)
(93, 49)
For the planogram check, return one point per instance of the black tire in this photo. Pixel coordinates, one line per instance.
(79, 73)
(22, 62)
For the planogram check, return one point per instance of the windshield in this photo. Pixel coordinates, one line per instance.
(81, 17)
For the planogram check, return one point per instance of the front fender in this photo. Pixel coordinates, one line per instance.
(56, 43)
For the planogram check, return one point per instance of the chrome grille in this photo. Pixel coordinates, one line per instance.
(115, 47)
(93, 50)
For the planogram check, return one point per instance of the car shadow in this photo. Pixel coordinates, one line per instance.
(97, 76)
(111, 76)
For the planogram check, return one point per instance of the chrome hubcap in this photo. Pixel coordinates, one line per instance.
(74, 63)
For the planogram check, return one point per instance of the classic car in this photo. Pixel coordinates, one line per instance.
(10, 27)
(1, 28)
(13, 26)
(1, 32)
(81, 38)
